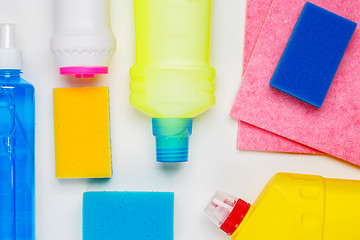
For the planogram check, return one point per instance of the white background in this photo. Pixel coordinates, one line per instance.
(214, 162)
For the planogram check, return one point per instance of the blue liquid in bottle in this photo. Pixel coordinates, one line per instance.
(17, 125)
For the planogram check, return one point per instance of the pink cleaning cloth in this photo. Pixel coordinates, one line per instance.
(335, 127)
(256, 13)
(251, 137)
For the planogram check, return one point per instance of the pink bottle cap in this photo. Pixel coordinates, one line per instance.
(81, 71)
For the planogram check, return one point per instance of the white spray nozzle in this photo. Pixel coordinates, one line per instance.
(7, 35)
(10, 55)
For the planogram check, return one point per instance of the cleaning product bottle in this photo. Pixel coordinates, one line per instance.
(172, 79)
(17, 179)
(83, 42)
(292, 206)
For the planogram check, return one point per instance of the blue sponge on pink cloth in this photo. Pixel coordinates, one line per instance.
(313, 54)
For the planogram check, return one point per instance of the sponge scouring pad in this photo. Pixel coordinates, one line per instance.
(82, 132)
(128, 215)
(313, 54)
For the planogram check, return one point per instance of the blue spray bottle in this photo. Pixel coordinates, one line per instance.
(17, 178)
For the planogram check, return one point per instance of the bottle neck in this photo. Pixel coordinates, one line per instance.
(172, 138)
(8, 73)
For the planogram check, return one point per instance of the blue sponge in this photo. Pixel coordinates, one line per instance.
(313, 54)
(128, 215)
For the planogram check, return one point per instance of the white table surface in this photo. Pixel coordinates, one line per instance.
(214, 162)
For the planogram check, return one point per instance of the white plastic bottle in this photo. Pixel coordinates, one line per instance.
(83, 42)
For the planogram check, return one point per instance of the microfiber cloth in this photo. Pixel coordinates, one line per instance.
(313, 54)
(333, 128)
(128, 215)
(256, 13)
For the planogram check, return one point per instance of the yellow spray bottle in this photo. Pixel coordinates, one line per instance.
(292, 207)
(172, 79)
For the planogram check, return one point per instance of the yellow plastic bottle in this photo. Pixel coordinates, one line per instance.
(292, 207)
(172, 79)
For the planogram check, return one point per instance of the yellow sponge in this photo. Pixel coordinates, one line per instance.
(82, 132)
